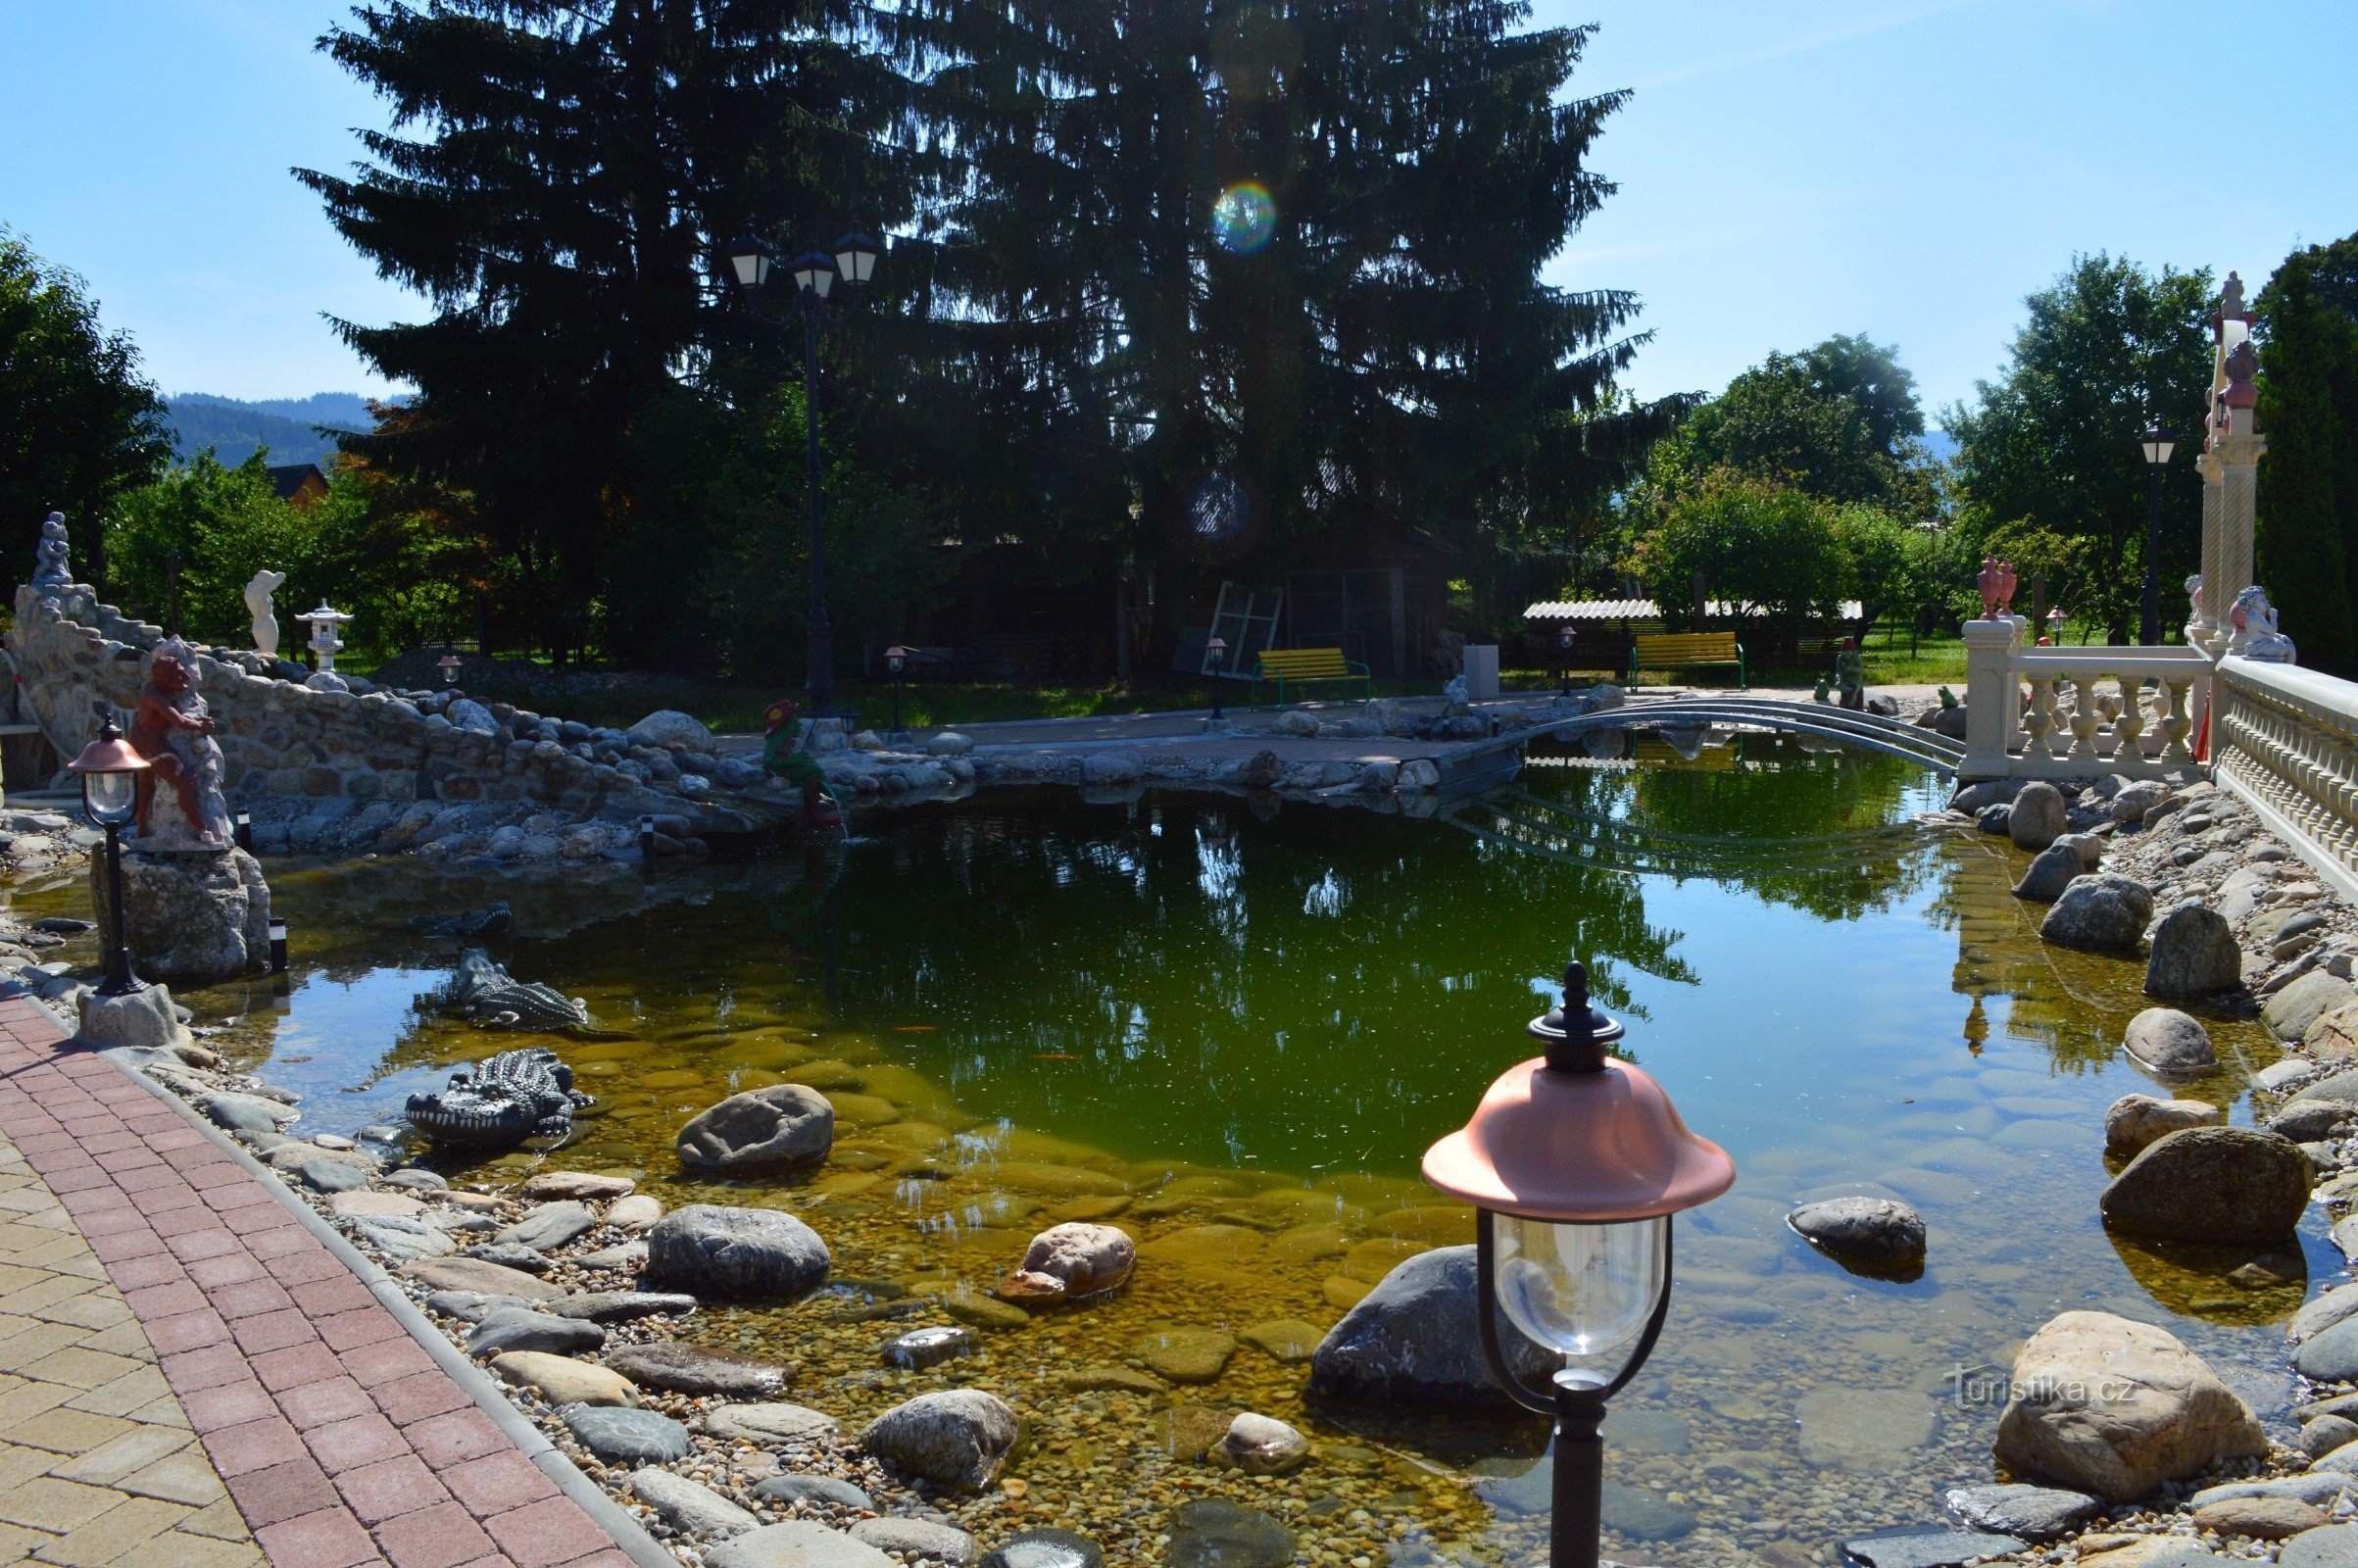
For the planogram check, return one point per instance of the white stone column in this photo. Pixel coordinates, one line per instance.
(2240, 453)
(1992, 708)
(2208, 629)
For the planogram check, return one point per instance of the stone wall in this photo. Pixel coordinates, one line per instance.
(284, 744)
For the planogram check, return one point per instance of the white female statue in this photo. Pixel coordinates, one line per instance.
(265, 619)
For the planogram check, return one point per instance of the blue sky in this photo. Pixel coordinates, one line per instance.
(1906, 169)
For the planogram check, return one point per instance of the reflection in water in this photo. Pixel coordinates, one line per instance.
(1238, 1036)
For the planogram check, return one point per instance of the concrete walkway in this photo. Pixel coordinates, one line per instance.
(201, 1304)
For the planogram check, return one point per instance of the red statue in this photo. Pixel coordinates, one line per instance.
(1997, 582)
(173, 731)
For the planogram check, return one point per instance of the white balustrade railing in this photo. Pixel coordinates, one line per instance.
(2074, 713)
(2286, 740)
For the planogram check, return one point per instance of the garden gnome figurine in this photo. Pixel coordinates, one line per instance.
(1851, 673)
(265, 617)
(782, 754)
(49, 568)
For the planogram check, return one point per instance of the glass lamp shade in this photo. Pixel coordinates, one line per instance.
(1586, 1291)
(110, 798)
(749, 264)
(2158, 445)
(109, 771)
(1563, 638)
(856, 257)
(815, 273)
(896, 660)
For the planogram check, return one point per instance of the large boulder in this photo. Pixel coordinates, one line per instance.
(2227, 1185)
(2106, 913)
(1415, 1338)
(2105, 1405)
(1872, 1231)
(2330, 1354)
(192, 917)
(670, 729)
(2137, 1120)
(2194, 955)
(735, 1254)
(2056, 868)
(2170, 1043)
(795, 1544)
(678, 1367)
(777, 1128)
(958, 1438)
(2291, 1011)
(2040, 816)
(2134, 799)
(1071, 1261)
(144, 1020)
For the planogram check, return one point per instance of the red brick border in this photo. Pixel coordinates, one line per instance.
(340, 1439)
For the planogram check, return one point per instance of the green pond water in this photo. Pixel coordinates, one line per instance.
(1235, 1034)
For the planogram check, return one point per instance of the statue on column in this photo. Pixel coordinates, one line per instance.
(49, 567)
(2256, 635)
(2193, 627)
(180, 803)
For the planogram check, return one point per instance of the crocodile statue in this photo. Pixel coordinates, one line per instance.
(482, 994)
(500, 1101)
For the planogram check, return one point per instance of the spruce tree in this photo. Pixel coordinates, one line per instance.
(559, 183)
(1236, 269)
(2308, 500)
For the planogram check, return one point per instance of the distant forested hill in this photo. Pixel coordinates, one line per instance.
(288, 426)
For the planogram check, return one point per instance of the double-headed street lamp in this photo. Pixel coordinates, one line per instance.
(109, 771)
(810, 277)
(2158, 443)
(1574, 1163)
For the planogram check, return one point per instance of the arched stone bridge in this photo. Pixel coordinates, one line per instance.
(1474, 763)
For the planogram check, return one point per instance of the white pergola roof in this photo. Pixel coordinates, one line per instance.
(1646, 609)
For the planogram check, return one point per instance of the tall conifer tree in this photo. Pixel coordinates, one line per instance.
(1234, 268)
(558, 182)
(2308, 501)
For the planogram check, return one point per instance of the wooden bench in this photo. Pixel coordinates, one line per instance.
(1298, 666)
(1682, 650)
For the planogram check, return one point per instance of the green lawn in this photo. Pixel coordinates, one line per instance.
(731, 707)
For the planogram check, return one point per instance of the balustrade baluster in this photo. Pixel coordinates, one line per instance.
(2176, 726)
(2085, 719)
(2125, 751)
(2039, 722)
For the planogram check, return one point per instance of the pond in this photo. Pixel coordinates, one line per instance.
(1234, 1034)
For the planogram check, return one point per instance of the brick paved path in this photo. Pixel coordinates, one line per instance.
(97, 1461)
(339, 1439)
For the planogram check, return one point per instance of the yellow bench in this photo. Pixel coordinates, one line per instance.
(1681, 650)
(1297, 666)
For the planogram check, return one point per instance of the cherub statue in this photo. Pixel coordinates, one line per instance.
(49, 567)
(2193, 606)
(173, 731)
(2256, 635)
(266, 619)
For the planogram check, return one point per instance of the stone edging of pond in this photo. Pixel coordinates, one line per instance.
(629, 1534)
(664, 1508)
(2202, 845)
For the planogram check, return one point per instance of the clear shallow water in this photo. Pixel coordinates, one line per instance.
(1238, 1035)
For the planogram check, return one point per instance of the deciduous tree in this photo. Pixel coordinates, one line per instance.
(2054, 442)
(78, 423)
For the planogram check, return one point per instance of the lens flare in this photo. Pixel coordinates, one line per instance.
(1244, 219)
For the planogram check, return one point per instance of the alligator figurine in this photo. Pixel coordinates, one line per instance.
(500, 1101)
(482, 994)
